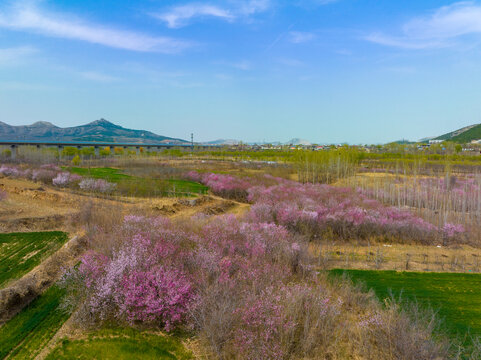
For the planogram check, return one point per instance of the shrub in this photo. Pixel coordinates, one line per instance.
(64, 179)
(6, 153)
(313, 209)
(105, 151)
(44, 175)
(52, 167)
(158, 295)
(245, 288)
(223, 185)
(88, 151)
(230, 186)
(9, 171)
(76, 160)
(97, 185)
(70, 151)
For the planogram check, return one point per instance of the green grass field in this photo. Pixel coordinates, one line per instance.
(109, 174)
(21, 252)
(121, 344)
(24, 336)
(457, 297)
(187, 186)
(141, 186)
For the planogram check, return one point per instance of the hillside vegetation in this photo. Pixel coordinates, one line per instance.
(464, 135)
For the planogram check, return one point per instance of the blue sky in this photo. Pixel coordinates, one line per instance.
(357, 71)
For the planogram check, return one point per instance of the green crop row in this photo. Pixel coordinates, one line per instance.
(21, 252)
(24, 336)
(456, 297)
(121, 344)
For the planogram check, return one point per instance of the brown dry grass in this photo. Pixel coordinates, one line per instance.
(31, 206)
(404, 257)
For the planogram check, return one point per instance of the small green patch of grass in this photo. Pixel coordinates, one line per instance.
(106, 173)
(456, 296)
(24, 336)
(142, 186)
(186, 186)
(122, 344)
(21, 252)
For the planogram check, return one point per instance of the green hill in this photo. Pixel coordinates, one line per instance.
(463, 135)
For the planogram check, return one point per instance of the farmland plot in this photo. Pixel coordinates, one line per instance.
(21, 252)
(120, 344)
(24, 336)
(457, 297)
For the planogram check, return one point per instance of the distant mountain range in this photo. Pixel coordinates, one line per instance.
(298, 141)
(222, 142)
(105, 131)
(96, 131)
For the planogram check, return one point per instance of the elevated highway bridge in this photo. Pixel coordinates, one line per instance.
(60, 145)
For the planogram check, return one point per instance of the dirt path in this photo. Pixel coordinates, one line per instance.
(31, 206)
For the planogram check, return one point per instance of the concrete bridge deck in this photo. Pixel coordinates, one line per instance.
(14, 144)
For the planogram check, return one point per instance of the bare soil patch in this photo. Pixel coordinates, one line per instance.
(31, 206)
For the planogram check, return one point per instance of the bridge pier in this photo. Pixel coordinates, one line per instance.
(137, 150)
(13, 151)
(60, 149)
(97, 151)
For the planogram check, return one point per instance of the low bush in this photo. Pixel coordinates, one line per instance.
(317, 209)
(65, 179)
(246, 288)
(97, 185)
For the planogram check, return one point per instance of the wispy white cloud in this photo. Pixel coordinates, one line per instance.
(182, 15)
(298, 37)
(26, 16)
(179, 16)
(404, 42)
(447, 22)
(251, 7)
(442, 28)
(15, 55)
